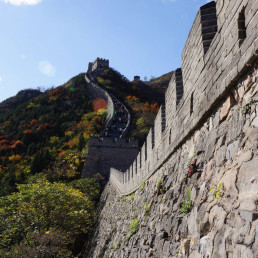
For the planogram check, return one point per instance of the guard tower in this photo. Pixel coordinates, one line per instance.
(137, 78)
(98, 63)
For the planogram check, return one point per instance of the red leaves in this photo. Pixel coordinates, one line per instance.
(192, 168)
(99, 103)
(17, 144)
(44, 126)
(28, 131)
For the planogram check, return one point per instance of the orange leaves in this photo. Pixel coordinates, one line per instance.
(4, 145)
(33, 122)
(44, 126)
(73, 142)
(7, 145)
(137, 106)
(99, 103)
(80, 124)
(15, 158)
(61, 153)
(132, 99)
(17, 144)
(57, 91)
(28, 131)
(4, 142)
(151, 107)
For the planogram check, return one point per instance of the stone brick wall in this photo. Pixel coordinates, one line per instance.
(208, 148)
(217, 164)
(209, 71)
(103, 155)
(95, 91)
(99, 63)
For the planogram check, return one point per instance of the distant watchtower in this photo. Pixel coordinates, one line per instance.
(137, 78)
(98, 63)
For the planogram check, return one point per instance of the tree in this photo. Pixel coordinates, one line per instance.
(81, 143)
(44, 208)
(41, 161)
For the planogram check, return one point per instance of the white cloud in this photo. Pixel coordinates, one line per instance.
(23, 2)
(47, 68)
(1, 80)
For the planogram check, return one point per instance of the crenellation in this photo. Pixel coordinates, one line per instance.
(163, 117)
(212, 63)
(149, 145)
(99, 63)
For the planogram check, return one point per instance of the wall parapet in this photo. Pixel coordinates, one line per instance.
(95, 91)
(209, 71)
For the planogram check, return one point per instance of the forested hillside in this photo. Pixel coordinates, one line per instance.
(45, 208)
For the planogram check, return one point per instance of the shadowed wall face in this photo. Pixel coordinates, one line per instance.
(104, 155)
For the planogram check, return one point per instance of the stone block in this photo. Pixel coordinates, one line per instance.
(247, 184)
(226, 107)
(232, 150)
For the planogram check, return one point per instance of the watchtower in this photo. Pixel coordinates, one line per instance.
(137, 78)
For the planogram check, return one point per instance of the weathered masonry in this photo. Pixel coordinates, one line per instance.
(98, 63)
(106, 153)
(192, 191)
(103, 155)
(222, 45)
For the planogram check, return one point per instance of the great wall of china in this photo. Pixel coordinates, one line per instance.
(110, 151)
(192, 189)
(215, 56)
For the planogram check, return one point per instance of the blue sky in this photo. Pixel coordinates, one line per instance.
(46, 42)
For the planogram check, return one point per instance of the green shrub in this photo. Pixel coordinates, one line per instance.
(187, 205)
(134, 227)
(219, 191)
(147, 209)
(247, 108)
(116, 246)
(159, 188)
(142, 185)
(44, 208)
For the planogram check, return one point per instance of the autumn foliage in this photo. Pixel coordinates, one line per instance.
(99, 103)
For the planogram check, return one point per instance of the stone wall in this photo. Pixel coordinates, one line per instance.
(192, 190)
(95, 91)
(218, 166)
(100, 63)
(103, 155)
(214, 58)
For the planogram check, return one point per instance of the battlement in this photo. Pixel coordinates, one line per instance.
(109, 142)
(98, 63)
(106, 153)
(137, 78)
(101, 59)
(221, 47)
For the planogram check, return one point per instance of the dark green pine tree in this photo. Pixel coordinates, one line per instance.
(81, 143)
(37, 164)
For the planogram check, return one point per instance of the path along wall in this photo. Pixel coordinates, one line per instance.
(222, 45)
(95, 91)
